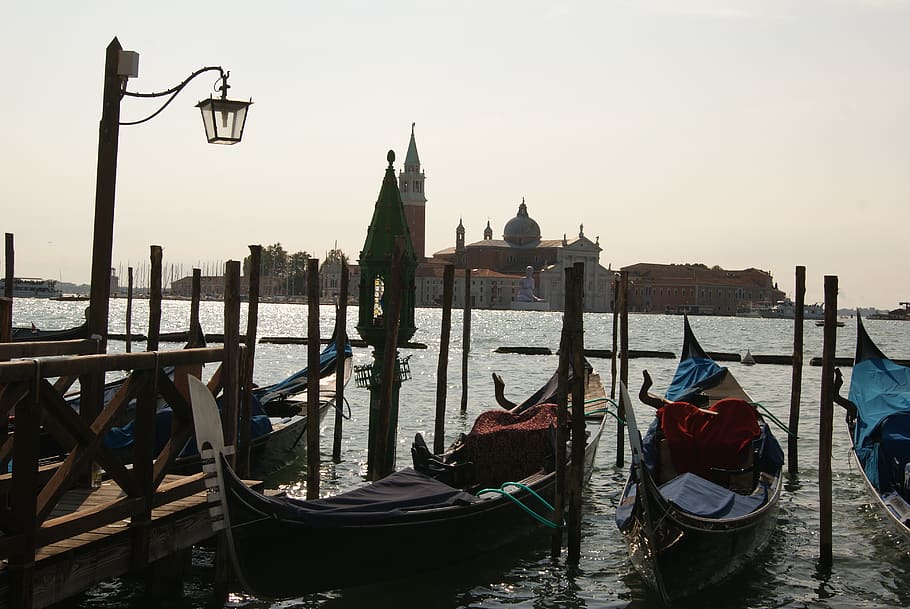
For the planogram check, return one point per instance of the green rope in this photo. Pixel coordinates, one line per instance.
(501, 490)
(774, 419)
(604, 410)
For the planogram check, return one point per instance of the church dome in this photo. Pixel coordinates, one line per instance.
(522, 229)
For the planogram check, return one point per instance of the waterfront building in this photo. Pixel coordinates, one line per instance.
(698, 289)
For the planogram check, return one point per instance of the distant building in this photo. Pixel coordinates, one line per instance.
(698, 289)
(498, 265)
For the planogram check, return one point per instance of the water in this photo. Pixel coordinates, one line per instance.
(871, 568)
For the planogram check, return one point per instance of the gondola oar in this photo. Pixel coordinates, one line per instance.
(645, 487)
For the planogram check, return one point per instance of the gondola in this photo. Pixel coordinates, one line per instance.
(878, 420)
(703, 492)
(33, 334)
(488, 490)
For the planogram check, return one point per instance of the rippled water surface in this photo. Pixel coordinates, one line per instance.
(870, 568)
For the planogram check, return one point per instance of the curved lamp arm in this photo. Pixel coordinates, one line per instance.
(174, 91)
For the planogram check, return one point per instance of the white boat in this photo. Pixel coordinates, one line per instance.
(786, 309)
(30, 287)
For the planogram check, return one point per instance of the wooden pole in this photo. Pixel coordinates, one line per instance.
(576, 471)
(384, 466)
(230, 368)
(623, 363)
(105, 191)
(562, 400)
(466, 338)
(154, 299)
(9, 276)
(615, 337)
(826, 423)
(129, 309)
(6, 319)
(341, 334)
(312, 383)
(797, 380)
(442, 367)
(252, 324)
(196, 333)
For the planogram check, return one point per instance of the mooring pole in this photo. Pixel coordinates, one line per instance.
(562, 404)
(245, 436)
(623, 364)
(826, 423)
(312, 381)
(796, 387)
(341, 335)
(387, 429)
(196, 333)
(9, 276)
(576, 471)
(615, 338)
(154, 330)
(129, 309)
(466, 339)
(442, 367)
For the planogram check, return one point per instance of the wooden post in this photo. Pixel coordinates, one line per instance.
(576, 471)
(466, 338)
(6, 313)
(442, 367)
(341, 335)
(23, 500)
(196, 333)
(9, 276)
(615, 337)
(826, 423)
(246, 399)
(6, 320)
(389, 364)
(105, 190)
(154, 299)
(129, 309)
(312, 383)
(230, 371)
(623, 363)
(562, 401)
(797, 380)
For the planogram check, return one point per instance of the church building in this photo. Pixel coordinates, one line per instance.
(498, 265)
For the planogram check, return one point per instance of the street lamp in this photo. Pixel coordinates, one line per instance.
(223, 119)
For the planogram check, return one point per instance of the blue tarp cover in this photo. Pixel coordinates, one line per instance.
(700, 497)
(396, 494)
(694, 375)
(880, 389)
(296, 383)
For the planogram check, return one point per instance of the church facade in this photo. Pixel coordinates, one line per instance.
(499, 265)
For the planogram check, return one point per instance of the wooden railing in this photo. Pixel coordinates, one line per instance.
(32, 400)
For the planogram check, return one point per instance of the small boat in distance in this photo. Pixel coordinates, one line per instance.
(878, 420)
(31, 287)
(821, 323)
(702, 496)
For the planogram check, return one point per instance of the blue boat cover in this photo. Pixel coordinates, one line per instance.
(395, 495)
(695, 372)
(699, 497)
(297, 382)
(880, 389)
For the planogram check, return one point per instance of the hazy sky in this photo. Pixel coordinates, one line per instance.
(760, 133)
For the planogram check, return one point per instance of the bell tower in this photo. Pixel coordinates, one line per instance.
(411, 184)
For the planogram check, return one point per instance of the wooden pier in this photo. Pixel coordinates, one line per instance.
(60, 532)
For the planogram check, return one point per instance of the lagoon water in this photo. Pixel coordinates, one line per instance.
(871, 568)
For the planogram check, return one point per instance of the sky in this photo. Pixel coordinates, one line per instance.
(765, 133)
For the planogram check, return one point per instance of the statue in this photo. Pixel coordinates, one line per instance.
(526, 288)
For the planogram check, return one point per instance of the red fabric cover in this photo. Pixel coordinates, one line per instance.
(506, 447)
(699, 440)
